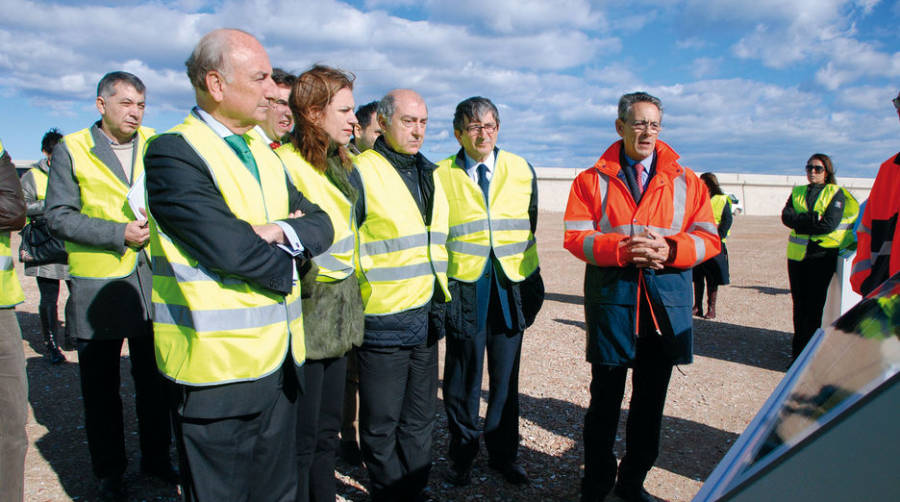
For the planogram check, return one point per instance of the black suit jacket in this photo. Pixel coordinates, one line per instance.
(188, 206)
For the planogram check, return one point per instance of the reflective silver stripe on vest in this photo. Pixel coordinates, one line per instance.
(864, 229)
(796, 239)
(860, 266)
(6, 263)
(702, 225)
(588, 248)
(225, 319)
(513, 249)
(438, 238)
(579, 225)
(441, 266)
(843, 226)
(699, 249)
(331, 263)
(469, 227)
(884, 251)
(679, 202)
(160, 266)
(603, 188)
(395, 244)
(404, 272)
(342, 246)
(463, 247)
(510, 224)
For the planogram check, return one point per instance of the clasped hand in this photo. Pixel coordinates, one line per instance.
(137, 232)
(645, 250)
(272, 233)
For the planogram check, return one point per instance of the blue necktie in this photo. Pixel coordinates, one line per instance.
(483, 182)
(239, 145)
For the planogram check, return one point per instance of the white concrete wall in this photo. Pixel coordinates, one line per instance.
(761, 194)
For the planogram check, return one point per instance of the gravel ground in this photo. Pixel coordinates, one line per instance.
(739, 359)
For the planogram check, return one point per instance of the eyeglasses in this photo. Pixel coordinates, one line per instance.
(643, 125)
(814, 169)
(477, 128)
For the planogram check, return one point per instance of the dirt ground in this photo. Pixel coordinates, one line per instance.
(739, 359)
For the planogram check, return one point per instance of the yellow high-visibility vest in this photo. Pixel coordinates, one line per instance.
(11, 293)
(336, 263)
(399, 256)
(210, 328)
(718, 203)
(503, 226)
(103, 195)
(840, 237)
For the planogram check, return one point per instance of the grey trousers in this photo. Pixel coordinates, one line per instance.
(13, 409)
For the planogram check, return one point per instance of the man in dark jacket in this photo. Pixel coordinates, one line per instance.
(402, 219)
(493, 267)
(640, 221)
(227, 227)
(13, 386)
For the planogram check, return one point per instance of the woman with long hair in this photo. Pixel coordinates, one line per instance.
(820, 215)
(713, 272)
(320, 165)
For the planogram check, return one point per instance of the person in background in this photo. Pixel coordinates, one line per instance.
(874, 263)
(278, 117)
(403, 216)
(86, 205)
(714, 272)
(365, 132)
(228, 231)
(13, 383)
(320, 165)
(495, 282)
(820, 215)
(640, 221)
(48, 276)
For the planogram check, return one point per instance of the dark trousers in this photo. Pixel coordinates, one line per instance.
(350, 409)
(463, 366)
(98, 362)
(241, 457)
(809, 281)
(397, 397)
(318, 422)
(650, 382)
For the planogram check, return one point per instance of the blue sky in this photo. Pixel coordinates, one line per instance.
(752, 87)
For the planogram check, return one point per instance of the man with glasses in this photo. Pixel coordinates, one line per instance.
(873, 264)
(496, 287)
(640, 221)
(279, 120)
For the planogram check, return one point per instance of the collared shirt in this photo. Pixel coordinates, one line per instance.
(296, 247)
(647, 163)
(472, 167)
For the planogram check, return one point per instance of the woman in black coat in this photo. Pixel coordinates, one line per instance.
(713, 272)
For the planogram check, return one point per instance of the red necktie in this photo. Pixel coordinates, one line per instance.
(639, 173)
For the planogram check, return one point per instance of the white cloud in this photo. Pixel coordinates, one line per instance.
(518, 16)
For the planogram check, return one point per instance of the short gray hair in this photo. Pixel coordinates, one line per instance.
(107, 85)
(628, 100)
(386, 107)
(471, 109)
(209, 55)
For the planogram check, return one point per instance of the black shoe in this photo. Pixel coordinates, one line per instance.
(162, 470)
(630, 493)
(349, 452)
(55, 356)
(111, 489)
(512, 472)
(459, 476)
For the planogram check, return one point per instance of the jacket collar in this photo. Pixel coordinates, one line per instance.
(104, 152)
(460, 160)
(666, 160)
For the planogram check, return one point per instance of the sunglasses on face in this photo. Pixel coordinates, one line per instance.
(814, 169)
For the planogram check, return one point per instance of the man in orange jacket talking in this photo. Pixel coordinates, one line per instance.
(878, 239)
(640, 221)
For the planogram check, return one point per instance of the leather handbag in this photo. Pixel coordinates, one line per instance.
(39, 246)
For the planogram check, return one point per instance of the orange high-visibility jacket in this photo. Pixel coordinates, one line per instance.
(601, 212)
(878, 241)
